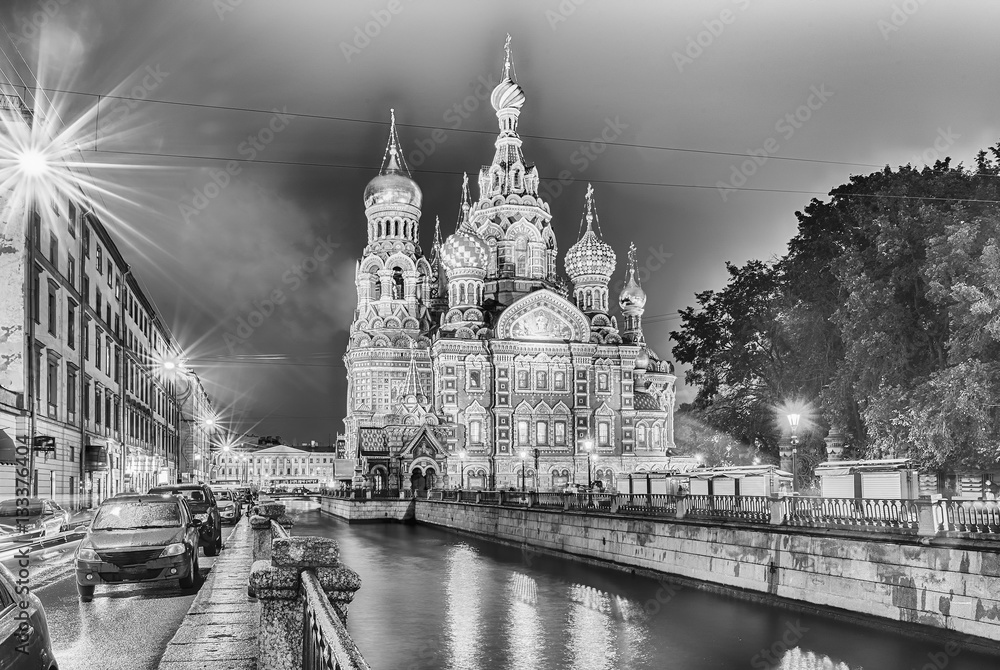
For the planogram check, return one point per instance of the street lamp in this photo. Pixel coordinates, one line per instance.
(587, 446)
(461, 470)
(524, 455)
(793, 422)
(593, 458)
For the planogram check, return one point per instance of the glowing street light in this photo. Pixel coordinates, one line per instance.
(793, 423)
(32, 162)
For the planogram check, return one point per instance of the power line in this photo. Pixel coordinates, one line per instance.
(549, 138)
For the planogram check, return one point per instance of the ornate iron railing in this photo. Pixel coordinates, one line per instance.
(898, 515)
(968, 516)
(743, 508)
(590, 502)
(549, 500)
(326, 644)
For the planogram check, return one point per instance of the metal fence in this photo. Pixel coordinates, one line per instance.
(326, 644)
(981, 518)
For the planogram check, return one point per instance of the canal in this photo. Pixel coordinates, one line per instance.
(435, 600)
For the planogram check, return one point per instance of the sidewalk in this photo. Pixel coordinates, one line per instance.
(220, 629)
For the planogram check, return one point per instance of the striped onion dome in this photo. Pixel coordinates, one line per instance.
(507, 95)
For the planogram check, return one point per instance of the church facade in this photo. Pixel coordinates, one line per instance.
(481, 365)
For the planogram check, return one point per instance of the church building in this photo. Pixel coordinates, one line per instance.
(481, 365)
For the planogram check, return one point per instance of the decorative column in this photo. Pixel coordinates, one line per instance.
(836, 442)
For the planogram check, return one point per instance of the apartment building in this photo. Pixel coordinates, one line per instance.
(83, 402)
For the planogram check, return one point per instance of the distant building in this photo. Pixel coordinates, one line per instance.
(480, 364)
(283, 466)
(77, 340)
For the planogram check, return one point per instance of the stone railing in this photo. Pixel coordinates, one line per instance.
(304, 591)
(980, 519)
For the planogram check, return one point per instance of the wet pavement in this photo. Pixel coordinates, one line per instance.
(125, 627)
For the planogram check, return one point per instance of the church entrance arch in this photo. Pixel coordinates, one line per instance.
(423, 474)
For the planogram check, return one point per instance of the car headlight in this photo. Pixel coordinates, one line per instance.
(175, 549)
(87, 554)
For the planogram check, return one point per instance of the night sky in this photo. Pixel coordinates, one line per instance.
(850, 86)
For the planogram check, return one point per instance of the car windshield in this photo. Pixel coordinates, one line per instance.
(224, 495)
(123, 516)
(195, 495)
(9, 508)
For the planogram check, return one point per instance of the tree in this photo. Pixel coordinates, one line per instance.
(885, 311)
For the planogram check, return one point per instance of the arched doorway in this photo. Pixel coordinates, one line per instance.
(379, 479)
(417, 482)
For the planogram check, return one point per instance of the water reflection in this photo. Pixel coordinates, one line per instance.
(432, 600)
(465, 596)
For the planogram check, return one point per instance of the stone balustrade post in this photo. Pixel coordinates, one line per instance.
(683, 506)
(777, 511)
(566, 499)
(479, 497)
(614, 504)
(260, 524)
(278, 587)
(532, 499)
(927, 524)
(500, 497)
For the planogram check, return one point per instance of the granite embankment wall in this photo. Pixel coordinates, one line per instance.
(897, 580)
(368, 510)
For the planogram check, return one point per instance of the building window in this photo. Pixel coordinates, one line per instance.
(36, 298)
(560, 381)
(71, 270)
(541, 432)
(560, 432)
(522, 432)
(476, 432)
(71, 326)
(54, 251)
(86, 401)
(541, 380)
(98, 301)
(86, 339)
(52, 380)
(522, 379)
(53, 316)
(602, 381)
(640, 434)
(111, 277)
(85, 292)
(475, 379)
(97, 405)
(97, 350)
(36, 228)
(72, 219)
(603, 433)
(86, 240)
(100, 260)
(70, 389)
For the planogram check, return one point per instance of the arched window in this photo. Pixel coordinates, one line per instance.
(461, 294)
(376, 285)
(475, 432)
(397, 283)
(640, 434)
(656, 437)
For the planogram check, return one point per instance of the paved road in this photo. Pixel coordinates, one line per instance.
(125, 627)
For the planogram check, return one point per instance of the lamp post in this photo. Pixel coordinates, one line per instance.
(461, 470)
(399, 472)
(592, 459)
(524, 456)
(587, 446)
(793, 422)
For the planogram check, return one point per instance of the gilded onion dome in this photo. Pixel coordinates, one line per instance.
(393, 185)
(464, 249)
(507, 94)
(632, 296)
(590, 255)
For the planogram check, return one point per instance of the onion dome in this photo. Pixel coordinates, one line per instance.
(590, 255)
(393, 185)
(464, 248)
(632, 296)
(507, 94)
(642, 360)
(642, 401)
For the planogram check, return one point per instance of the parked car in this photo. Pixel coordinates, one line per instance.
(139, 538)
(230, 508)
(24, 644)
(29, 518)
(202, 502)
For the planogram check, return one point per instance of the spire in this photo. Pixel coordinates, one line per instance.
(412, 384)
(437, 236)
(393, 154)
(632, 301)
(465, 204)
(506, 59)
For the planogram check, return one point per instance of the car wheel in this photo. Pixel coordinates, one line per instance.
(86, 592)
(214, 548)
(192, 576)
